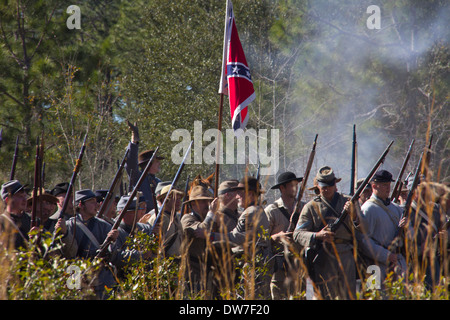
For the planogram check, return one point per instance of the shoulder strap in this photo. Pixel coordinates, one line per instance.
(88, 233)
(386, 209)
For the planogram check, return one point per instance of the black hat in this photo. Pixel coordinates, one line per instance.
(60, 188)
(382, 176)
(83, 195)
(286, 177)
(100, 195)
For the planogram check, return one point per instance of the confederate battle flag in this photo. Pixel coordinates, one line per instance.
(236, 81)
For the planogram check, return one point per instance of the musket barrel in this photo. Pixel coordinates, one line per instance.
(334, 226)
(107, 241)
(395, 190)
(76, 169)
(113, 185)
(14, 162)
(35, 185)
(174, 182)
(353, 167)
(295, 214)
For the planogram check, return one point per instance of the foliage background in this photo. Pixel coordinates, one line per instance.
(316, 68)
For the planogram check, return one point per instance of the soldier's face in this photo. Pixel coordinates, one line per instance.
(381, 189)
(289, 189)
(61, 198)
(155, 167)
(327, 191)
(17, 203)
(201, 207)
(89, 207)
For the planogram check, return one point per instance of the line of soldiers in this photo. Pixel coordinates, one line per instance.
(212, 232)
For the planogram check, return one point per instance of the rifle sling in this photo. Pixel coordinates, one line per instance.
(88, 233)
(334, 212)
(386, 209)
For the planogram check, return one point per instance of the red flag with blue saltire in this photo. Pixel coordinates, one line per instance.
(236, 81)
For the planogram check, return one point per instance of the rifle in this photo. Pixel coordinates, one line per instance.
(296, 214)
(174, 182)
(110, 193)
(427, 156)
(14, 162)
(121, 181)
(406, 211)
(76, 169)
(396, 190)
(36, 184)
(186, 196)
(102, 251)
(353, 167)
(258, 174)
(337, 223)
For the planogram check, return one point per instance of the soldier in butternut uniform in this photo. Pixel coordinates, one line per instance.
(197, 270)
(279, 215)
(333, 269)
(170, 225)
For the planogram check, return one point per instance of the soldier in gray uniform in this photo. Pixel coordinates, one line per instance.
(332, 267)
(279, 215)
(129, 225)
(136, 162)
(89, 232)
(14, 222)
(380, 220)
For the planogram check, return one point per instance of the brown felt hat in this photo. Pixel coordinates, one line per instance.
(44, 196)
(325, 177)
(199, 193)
(146, 155)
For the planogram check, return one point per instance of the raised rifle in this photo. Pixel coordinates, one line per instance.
(76, 169)
(103, 248)
(353, 172)
(185, 196)
(14, 162)
(36, 185)
(112, 187)
(395, 245)
(337, 223)
(121, 192)
(397, 186)
(174, 182)
(258, 171)
(427, 157)
(296, 213)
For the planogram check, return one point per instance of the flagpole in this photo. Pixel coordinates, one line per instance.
(217, 172)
